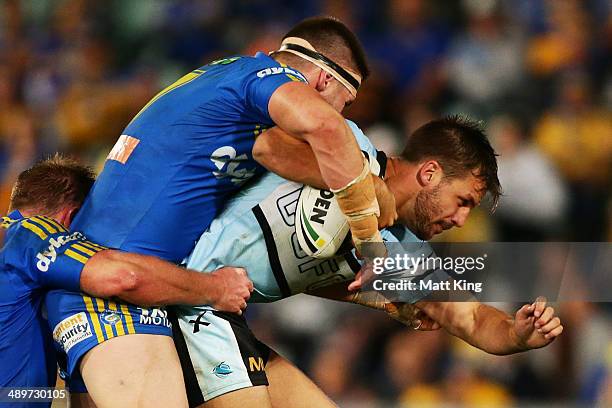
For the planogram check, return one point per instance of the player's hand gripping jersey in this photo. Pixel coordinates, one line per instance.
(181, 158)
(38, 253)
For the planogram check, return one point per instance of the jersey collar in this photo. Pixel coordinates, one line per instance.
(263, 56)
(10, 219)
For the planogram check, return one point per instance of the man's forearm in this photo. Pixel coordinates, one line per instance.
(482, 326)
(145, 280)
(404, 313)
(314, 160)
(288, 157)
(494, 332)
(339, 292)
(176, 286)
(300, 111)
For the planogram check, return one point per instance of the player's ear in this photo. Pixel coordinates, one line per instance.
(323, 80)
(429, 173)
(66, 215)
(71, 214)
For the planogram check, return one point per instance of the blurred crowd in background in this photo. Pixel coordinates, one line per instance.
(537, 73)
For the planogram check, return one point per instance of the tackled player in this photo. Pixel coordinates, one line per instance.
(446, 168)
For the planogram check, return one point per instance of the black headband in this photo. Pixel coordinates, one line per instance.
(318, 56)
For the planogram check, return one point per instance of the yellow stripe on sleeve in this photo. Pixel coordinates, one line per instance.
(93, 315)
(47, 226)
(107, 327)
(76, 256)
(40, 225)
(128, 319)
(36, 230)
(294, 78)
(93, 246)
(119, 325)
(83, 249)
(56, 224)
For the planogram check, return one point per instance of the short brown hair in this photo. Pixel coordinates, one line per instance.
(460, 146)
(334, 40)
(51, 184)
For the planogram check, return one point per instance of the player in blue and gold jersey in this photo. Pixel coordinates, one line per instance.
(39, 253)
(29, 263)
(193, 146)
(195, 143)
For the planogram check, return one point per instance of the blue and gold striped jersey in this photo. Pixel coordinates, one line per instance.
(183, 155)
(38, 253)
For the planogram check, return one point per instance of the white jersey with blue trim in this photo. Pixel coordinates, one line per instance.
(257, 231)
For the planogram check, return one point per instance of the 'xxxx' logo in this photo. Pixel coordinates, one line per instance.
(197, 322)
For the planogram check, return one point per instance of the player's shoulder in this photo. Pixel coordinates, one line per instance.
(34, 228)
(40, 231)
(44, 239)
(406, 240)
(24, 235)
(261, 66)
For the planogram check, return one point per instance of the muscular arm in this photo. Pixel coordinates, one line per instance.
(482, 326)
(289, 157)
(404, 313)
(147, 280)
(494, 331)
(299, 110)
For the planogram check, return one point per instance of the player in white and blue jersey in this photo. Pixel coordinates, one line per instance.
(257, 230)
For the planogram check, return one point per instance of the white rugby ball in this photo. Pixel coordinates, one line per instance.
(320, 225)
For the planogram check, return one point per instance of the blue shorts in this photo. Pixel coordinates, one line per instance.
(80, 322)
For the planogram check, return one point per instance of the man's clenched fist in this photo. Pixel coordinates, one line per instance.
(233, 289)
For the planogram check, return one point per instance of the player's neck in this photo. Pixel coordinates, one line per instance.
(400, 177)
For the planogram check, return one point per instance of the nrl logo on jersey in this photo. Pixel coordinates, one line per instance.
(46, 258)
(281, 70)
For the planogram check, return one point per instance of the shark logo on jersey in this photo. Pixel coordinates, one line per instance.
(222, 370)
(46, 258)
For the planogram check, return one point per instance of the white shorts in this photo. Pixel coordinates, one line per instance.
(218, 352)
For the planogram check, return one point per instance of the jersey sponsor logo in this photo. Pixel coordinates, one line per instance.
(46, 258)
(123, 149)
(154, 316)
(256, 364)
(226, 161)
(72, 330)
(222, 370)
(198, 322)
(225, 61)
(280, 70)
